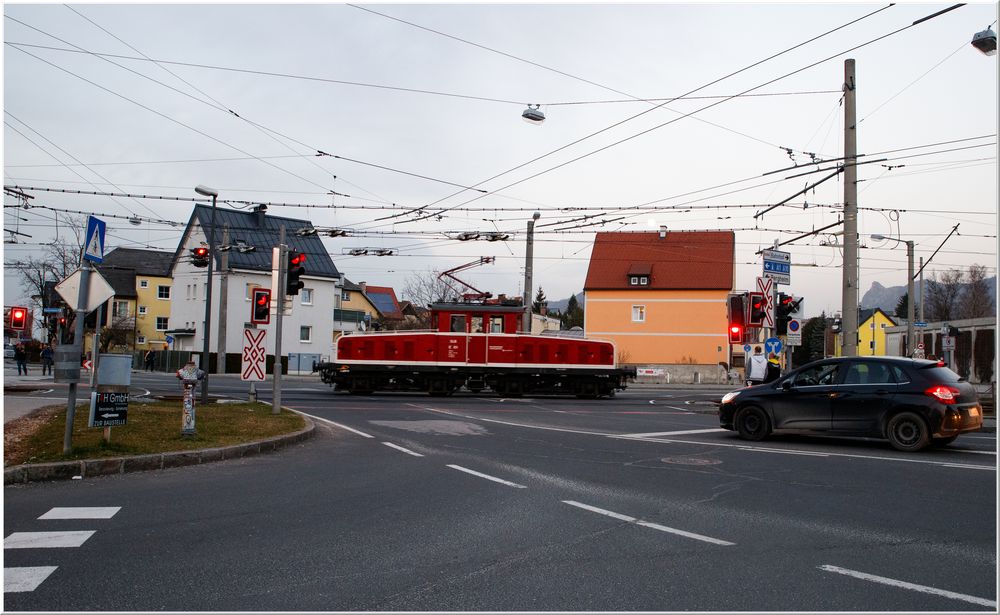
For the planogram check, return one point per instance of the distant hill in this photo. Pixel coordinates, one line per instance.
(886, 298)
(560, 306)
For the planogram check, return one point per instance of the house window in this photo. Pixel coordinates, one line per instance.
(638, 313)
(141, 340)
(305, 334)
(634, 280)
(883, 325)
(142, 310)
(143, 283)
(162, 292)
(161, 323)
(119, 309)
(345, 295)
(306, 295)
(643, 281)
(249, 290)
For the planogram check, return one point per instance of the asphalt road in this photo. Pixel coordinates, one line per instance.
(408, 502)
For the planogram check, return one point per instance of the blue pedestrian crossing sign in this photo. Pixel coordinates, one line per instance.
(773, 345)
(93, 249)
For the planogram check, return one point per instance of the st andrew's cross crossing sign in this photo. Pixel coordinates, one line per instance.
(254, 355)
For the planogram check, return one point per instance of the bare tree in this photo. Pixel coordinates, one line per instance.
(976, 299)
(118, 334)
(943, 295)
(424, 288)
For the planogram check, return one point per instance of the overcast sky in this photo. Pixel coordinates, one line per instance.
(243, 95)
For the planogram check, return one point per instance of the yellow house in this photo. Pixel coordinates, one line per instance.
(871, 333)
(661, 296)
(149, 304)
(354, 306)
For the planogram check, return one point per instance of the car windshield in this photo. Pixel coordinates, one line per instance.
(940, 373)
(817, 375)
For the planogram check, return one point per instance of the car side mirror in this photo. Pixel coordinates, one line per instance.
(786, 385)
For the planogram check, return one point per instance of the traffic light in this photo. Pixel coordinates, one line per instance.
(296, 268)
(18, 318)
(260, 312)
(787, 305)
(757, 309)
(199, 256)
(737, 326)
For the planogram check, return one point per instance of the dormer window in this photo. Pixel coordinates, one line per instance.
(639, 274)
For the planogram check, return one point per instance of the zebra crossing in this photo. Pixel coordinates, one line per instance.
(28, 578)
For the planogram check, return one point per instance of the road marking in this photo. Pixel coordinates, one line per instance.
(486, 476)
(669, 433)
(700, 442)
(26, 578)
(655, 526)
(782, 451)
(913, 586)
(81, 512)
(351, 429)
(959, 450)
(46, 540)
(400, 448)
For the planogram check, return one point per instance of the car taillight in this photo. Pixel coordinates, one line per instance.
(945, 395)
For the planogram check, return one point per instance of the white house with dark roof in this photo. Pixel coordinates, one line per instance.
(307, 330)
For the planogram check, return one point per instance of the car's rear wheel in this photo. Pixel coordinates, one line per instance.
(752, 424)
(907, 432)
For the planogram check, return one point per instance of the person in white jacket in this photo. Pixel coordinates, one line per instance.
(757, 370)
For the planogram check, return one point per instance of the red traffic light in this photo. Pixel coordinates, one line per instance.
(201, 251)
(298, 258)
(19, 318)
(735, 334)
(260, 311)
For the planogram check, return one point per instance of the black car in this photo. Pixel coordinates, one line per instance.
(910, 402)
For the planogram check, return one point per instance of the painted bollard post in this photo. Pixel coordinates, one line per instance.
(189, 376)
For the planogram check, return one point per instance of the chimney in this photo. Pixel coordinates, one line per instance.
(663, 232)
(364, 287)
(259, 213)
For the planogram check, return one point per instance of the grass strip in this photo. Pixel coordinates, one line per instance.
(153, 427)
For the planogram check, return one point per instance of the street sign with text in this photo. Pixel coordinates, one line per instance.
(108, 409)
(778, 266)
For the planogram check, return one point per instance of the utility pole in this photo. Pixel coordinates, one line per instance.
(278, 294)
(849, 306)
(220, 353)
(528, 258)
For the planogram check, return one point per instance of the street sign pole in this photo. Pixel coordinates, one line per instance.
(279, 294)
(81, 314)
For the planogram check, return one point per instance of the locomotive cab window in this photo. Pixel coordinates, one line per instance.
(477, 324)
(496, 324)
(458, 323)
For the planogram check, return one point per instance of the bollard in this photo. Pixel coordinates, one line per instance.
(189, 376)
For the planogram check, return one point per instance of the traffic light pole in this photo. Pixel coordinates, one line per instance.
(279, 301)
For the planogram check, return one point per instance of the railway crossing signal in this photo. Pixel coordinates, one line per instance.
(260, 311)
(295, 270)
(737, 324)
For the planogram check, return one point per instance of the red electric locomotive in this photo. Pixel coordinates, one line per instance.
(475, 345)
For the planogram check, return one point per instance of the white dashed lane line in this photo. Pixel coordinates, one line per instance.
(655, 526)
(864, 576)
(486, 476)
(670, 433)
(46, 540)
(26, 578)
(82, 512)
(400, 448)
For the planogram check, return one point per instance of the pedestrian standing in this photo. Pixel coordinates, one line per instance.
(758, 367)
(773, 369)
(21, 358)
(150, 360)
(47, 356)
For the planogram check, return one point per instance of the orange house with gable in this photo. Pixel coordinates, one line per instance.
(661, 296)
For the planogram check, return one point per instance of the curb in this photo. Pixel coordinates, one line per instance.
(85, 468)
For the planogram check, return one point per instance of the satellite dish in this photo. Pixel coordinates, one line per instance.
(534, 115)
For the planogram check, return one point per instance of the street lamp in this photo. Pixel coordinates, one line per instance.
(909, 290)
(206, 191)
(528, 259)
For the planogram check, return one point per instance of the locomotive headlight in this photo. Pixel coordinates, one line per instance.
(728, 397)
